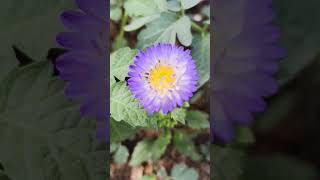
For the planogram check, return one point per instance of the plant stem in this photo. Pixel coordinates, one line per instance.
(196, 27)
(124, 20)
(119, 39)
(205, 27)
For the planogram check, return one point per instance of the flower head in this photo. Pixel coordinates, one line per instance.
(245, 60)
(162, 77)
(84, 66)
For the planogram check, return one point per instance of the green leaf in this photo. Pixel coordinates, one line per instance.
(6, 65)
(30, 25)
(201, 53)
(119, 63)
(125, 107)
(182, 172)
(197, 96)
(42, 134)
(179, 114)
(165, 30)
(299, 35)
(278, 167)
(187, 4)
(139, 22)
(115, 13)
(121, 155)
(185, 145)
(162, 173)
(142, 152)
(226, 164)
(114, 147)
(183, 29)
(205, 150)
(120, 131)
(206, 11)
(174, 5)
(149, 149)
(141, 7)
(162, 5)
(197, 120)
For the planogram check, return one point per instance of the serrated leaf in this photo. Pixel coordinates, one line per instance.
(174, 5)
(119, 63)
(139, 22)
(141, 7)
(42, 134)
(141, 152)
(30, 25)
(187, 4)
(179, 114)
(182, 172)
(124, 107)
(197, 120)
(121, 155)
(185, 145)
(120, 131)
(149, 149)
(226, 163)
(165, 30)
(201, 53)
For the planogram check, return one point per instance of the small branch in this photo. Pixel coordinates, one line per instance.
(196, 27)
(119, 39)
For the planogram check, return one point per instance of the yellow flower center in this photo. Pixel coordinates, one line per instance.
(161, 77)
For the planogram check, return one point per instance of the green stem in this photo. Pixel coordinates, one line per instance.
(124, 20)
(205, 27)
(119, 39)
(196, 27)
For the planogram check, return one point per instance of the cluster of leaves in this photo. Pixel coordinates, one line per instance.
(42, 135)
(157, 21)
(41, 132)
(300, 37)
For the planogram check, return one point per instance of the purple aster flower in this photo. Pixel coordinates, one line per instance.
(163, 77)
(84, 66)
(245, 60)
